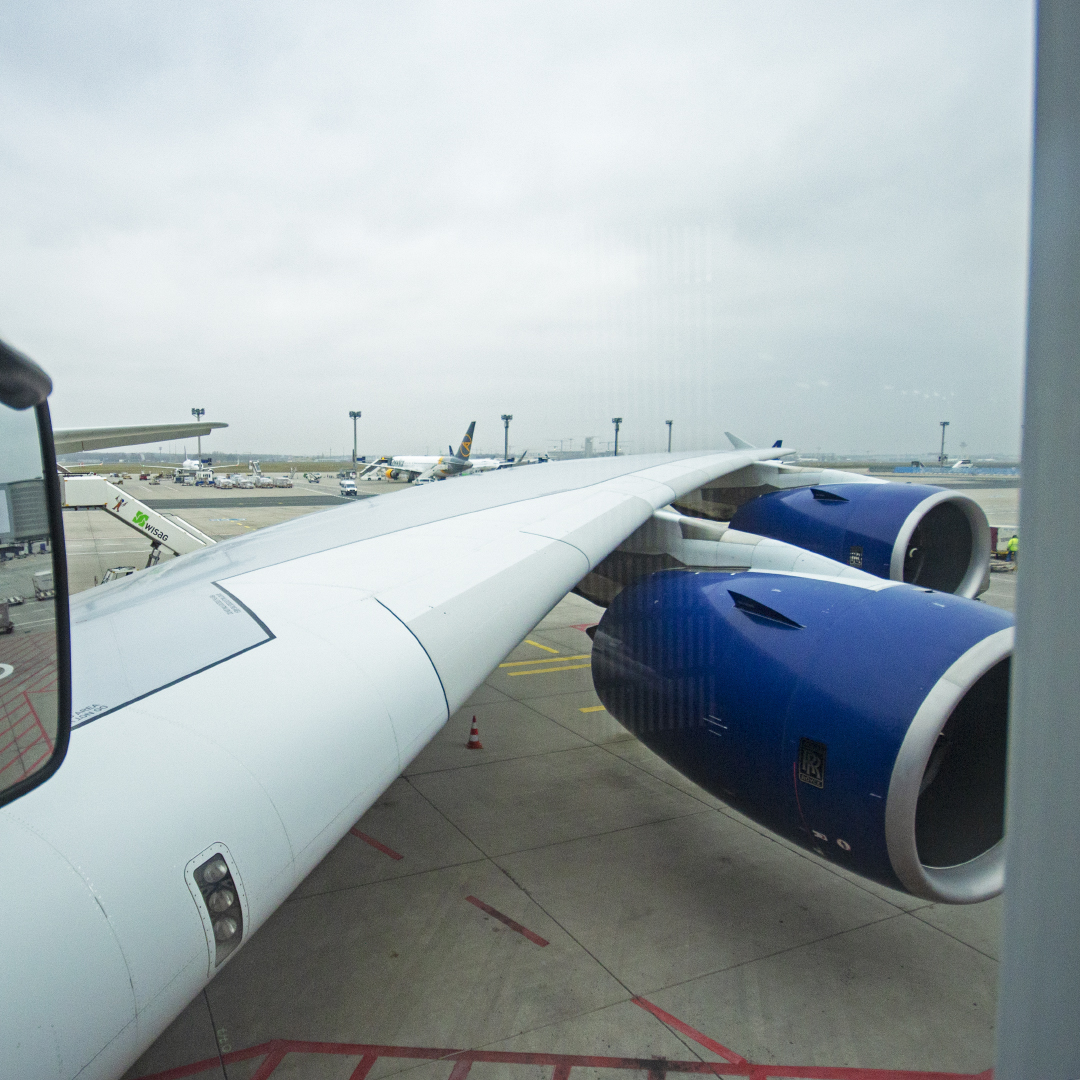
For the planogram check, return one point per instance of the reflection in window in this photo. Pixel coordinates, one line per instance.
(28, 676)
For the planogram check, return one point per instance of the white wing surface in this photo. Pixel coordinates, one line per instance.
(80, 440)
(201, 730)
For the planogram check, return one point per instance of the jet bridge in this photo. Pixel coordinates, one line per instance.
(163, 531)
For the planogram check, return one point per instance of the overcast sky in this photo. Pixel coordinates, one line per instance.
(786, 219)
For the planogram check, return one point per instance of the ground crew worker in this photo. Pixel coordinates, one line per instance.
(1012, 549)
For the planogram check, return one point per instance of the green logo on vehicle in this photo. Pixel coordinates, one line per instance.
(140, 519)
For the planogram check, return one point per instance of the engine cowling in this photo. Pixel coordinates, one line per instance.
(917, 533)
(865, 722)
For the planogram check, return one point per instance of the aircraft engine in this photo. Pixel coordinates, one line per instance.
(865, 721)
(917, 533)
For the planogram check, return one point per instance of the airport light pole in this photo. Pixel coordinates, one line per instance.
(668, 422)
(617, 421)
(941, 456)
(506, 418)
(354, 416)
(199, 414)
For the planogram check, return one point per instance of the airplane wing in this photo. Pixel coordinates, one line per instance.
(200, 735)
(78, 440)
(203, 750)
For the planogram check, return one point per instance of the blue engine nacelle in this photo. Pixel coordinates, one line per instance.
(923, 535)
(867, 723)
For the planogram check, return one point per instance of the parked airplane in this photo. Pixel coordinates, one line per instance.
(480, 465)
(425, 468)
(818, 663)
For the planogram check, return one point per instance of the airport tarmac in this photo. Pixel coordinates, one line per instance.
(562, 899)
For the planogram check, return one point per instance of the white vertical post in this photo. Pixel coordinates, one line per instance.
(1038, 1031)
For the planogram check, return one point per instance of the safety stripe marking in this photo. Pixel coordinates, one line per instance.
(367, 1062)
(461, 1069)
(547, 670)
(593, 708)
(375, 843)
(270, 1062)
(536, 939)
(554, 660)
(546, 648)
(561, 1064)
(676, 1024)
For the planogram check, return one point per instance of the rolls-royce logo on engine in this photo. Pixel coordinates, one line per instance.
(855, 556)
(812, 763)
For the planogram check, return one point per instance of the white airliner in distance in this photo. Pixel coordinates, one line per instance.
(480, 465)
(205, 779)
(425, 467)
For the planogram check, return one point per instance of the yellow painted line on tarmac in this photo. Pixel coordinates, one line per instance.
(547, 670)
(548, 648)
(533, 663)
(592, 708)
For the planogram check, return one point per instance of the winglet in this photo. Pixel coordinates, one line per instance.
(739, 444)
(466, 443)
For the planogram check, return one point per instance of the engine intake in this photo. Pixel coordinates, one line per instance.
(917, 533)
(866, 721)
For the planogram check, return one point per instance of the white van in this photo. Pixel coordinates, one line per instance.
(348, 487)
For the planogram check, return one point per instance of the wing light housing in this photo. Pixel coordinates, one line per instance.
(218, 894)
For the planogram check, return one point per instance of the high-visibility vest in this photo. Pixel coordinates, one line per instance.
(1014, 543)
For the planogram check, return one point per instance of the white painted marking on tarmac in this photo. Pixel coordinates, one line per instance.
(6, 670)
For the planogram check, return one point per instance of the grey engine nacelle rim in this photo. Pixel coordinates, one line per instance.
(971, 583)
(978, 878)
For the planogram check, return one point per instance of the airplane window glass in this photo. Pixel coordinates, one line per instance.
(28, 638)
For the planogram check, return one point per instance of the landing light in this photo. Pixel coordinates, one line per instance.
(225, 928)
(221, 900)
(214, 871)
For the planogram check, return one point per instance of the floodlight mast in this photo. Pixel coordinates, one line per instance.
(198, 414)
(354, 417)
(617, 421)
(506, 418)
(941, 459)
(669, 423)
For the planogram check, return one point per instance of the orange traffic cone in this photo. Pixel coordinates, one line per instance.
(474, 742)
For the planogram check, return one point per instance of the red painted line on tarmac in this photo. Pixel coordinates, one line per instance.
(676, 1024)
(196, 1067)
(461, 1069)
(274, 1053)
(361, 1070)
(583, 626)
(536, 939)
(278, 1050)
(375, 844)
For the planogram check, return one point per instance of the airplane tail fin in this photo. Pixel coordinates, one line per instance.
(776, 445)
(466, 443)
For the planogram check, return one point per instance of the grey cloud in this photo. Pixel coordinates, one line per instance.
(435, 212)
